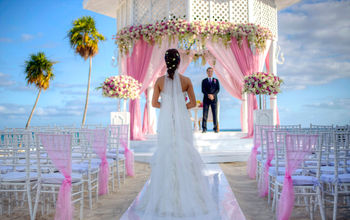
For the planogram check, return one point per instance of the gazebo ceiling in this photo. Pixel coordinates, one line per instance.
(109, 7)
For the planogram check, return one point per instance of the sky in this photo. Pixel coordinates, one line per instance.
(313, 36)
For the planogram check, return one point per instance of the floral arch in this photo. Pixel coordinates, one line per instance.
(233, 50)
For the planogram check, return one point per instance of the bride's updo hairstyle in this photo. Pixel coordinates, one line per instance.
(172, 60)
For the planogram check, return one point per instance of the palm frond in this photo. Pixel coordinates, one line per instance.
(39, 70)
(84, 37)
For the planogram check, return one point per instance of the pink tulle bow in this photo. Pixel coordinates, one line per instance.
(103, 176)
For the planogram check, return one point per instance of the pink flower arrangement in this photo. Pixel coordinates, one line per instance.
(192, 31)
(122, 87)
(261, 83)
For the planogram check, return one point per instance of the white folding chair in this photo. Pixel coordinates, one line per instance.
(336, 182)
(16, 178)
(49, 183)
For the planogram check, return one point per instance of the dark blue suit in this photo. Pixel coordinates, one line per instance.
(210, 88)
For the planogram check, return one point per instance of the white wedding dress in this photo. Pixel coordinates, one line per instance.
(177, 188)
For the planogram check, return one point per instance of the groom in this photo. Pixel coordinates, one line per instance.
(210, 89)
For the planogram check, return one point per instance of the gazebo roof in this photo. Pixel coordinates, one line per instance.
(109, 7)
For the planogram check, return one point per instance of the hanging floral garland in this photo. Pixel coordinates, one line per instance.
(189, 33)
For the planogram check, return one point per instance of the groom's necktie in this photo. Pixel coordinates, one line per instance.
(210, 80)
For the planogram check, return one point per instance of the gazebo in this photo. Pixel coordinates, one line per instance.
(235, 37)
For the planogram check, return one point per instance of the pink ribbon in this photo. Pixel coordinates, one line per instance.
(251, 165)
(64, 209)
(286, 202)
(103, 177)
(129, 161)
(264, 184)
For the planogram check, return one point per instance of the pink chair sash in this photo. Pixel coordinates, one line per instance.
(263, 185)
(99, 145)
(122, 131)
(251, 163)
(58, 148)
(297, 148)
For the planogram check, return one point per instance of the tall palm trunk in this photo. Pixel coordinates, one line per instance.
(87, 94)
(31, 114)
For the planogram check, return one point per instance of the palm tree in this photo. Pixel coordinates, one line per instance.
(84, 39)
(38, 71)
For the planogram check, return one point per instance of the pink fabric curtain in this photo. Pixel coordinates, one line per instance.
(267, 64)
(136, 66)
(146, 125)
(58, 148)
(186, 59)
(298, 146)
(263, 185)
(99, 145)
(121, 133)
(156, 67)
(251, 163)
(232, 65)
(249, 62)
(226, 68)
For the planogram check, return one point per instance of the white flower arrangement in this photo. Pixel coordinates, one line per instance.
(261, 83)
(122, 87)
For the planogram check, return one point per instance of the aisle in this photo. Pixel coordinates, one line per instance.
(226, 146)
(221, 190)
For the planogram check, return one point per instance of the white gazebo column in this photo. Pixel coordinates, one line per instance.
(245, 112)
(273, 69)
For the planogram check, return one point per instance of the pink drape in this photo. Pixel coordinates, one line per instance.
(58, 148)
(249, 62)
(267, 62)
(251, 163)
(156, 67)
(298, 146)
(263, 185)
(232, 65)
(146, 125)
(136, 66)
(226, 68)
(99, 145)
(121, 133)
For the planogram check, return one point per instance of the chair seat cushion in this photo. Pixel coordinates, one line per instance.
(33, 168)
(300, 180)
(17, 176)
(77, 155)
(84, 167)
(341, 163)
(57, 178)
(328, 170)
(258, 157)
(282, 171)
(328, 178)
(5, 169)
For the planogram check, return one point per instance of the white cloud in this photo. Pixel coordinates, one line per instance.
(27, 37)
(336, 104)
(6, 40)
(5, 80)
(315, 42)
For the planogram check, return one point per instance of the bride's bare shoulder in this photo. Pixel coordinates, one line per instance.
(160, 82)
(185, 80)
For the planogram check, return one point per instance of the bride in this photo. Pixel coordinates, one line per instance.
(177, 188)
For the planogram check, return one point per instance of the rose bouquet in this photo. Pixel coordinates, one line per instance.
(122, 87)
(261, 83)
